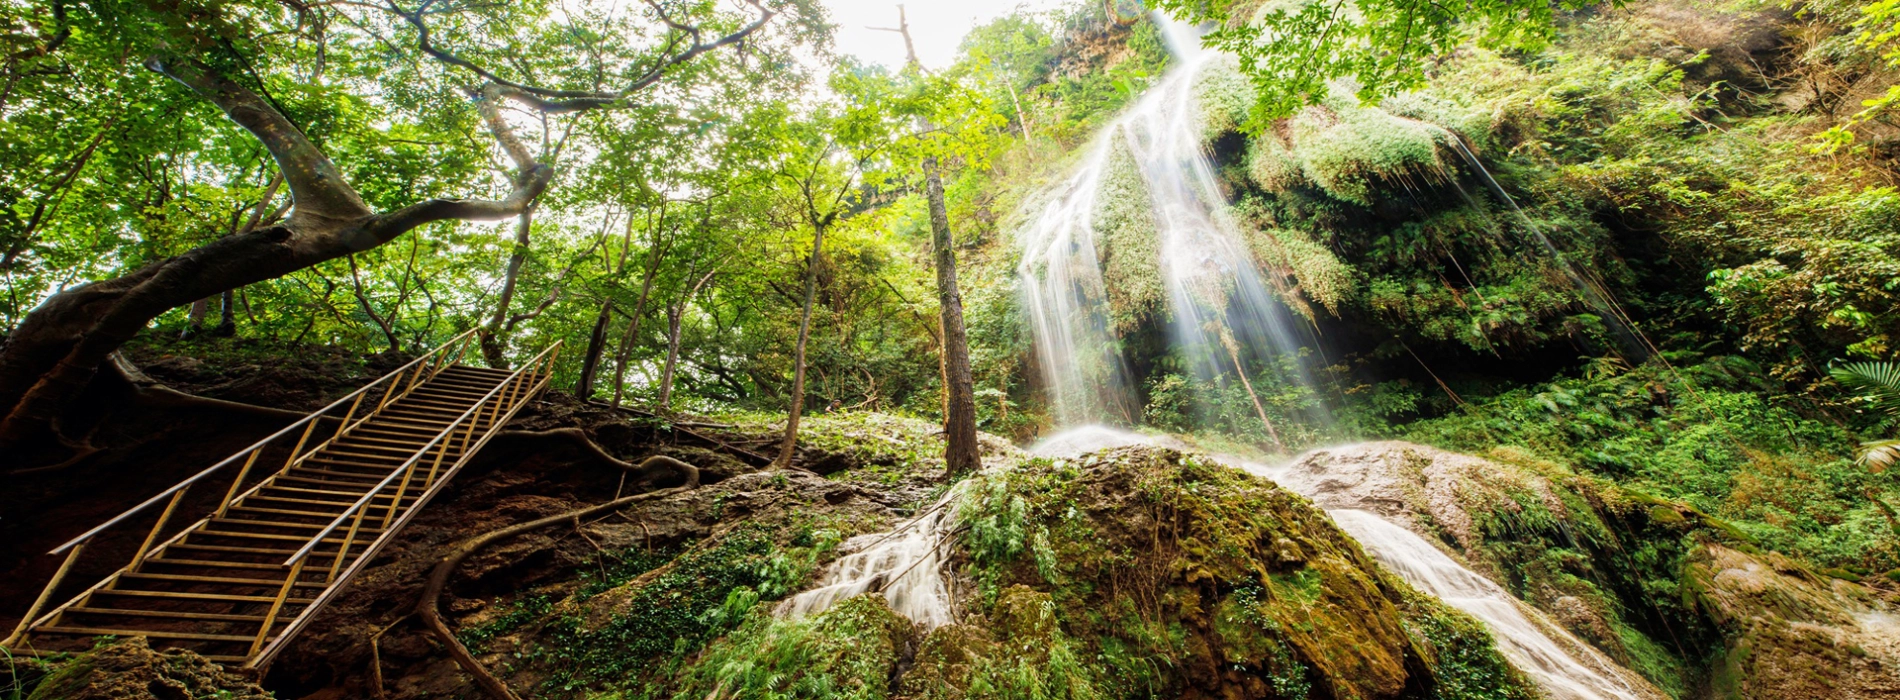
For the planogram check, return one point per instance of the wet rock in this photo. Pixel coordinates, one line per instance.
(1794, 634)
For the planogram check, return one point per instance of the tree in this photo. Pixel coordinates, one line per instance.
(1291, 51)
(962, 454)
(55, 351)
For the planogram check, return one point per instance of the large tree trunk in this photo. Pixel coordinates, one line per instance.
(961, 452)
(596, 346)
(494, 346)
(59, 346)
(798, 356)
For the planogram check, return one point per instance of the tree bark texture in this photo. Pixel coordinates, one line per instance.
(798, 356)
(596, 346)
(961, 451)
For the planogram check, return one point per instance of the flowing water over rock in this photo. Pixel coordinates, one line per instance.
(1531, 647)
(905, 564)
(1227, 322)
(1564, 670)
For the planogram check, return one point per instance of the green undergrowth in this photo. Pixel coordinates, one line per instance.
(878, 447)
(656, 628)
(1703, 432)
(845, 652)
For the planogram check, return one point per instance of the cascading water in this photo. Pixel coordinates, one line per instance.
(1227, 322)
(1564, 671)
(1225, 319)
(1063, 291)
(1558, 671)
(905, 564)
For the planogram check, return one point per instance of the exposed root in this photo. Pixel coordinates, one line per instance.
(149, 389)
(427, 606)
(376, 656)
(757, 460)
(651, 471)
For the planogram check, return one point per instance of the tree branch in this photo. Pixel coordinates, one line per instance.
(316, 186)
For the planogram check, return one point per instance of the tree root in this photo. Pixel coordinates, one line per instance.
(757, 460)
(427, 605)
(648, 471)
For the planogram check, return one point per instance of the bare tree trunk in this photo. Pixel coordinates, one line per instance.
(962, 454)
(195, 319)
(675, 318)
(655, 254)
(494, 347)
(227, 315)
(798, 356)
(596, 346)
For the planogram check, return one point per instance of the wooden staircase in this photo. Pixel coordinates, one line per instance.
(239, 583)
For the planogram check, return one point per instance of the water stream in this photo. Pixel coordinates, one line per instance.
(1227, 323)
(905, 564)
(1570, 670)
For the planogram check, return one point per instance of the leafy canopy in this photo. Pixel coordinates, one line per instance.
(1291, 49)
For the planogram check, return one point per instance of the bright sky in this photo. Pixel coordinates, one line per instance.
(937, 26)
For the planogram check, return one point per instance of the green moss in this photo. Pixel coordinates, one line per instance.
(1160, 562)
(1225, 97)
(1350, 150)
(1128, 244)
(704, 592)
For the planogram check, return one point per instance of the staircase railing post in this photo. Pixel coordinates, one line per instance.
(307, 430)
(152, 536)
(45, 595)
(442, 450)
(401, 488)
(238, 482)
(347, 416)
(277, 606)
(344, 548)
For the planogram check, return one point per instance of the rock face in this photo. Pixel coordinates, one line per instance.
(1565, 543)
(128, 669)
(1796, 635)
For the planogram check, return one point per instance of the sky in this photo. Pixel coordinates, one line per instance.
(937, 26)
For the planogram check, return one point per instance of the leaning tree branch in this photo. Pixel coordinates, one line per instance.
(316, 185)
(556, 101)
(428, 605)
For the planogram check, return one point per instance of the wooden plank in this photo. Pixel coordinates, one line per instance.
(222, 580)
(211, 564)
(197, 596)
(156, 634)
(166, 614)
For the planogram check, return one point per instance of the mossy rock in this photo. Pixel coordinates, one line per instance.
(128, 668)
(1145, 571)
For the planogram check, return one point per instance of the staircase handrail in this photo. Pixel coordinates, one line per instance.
(267, 646)
(305, 422)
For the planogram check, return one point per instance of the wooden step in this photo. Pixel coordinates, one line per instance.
(155, 634)
(180, 595)
(272, 584)
(165, 614)
(214, 564)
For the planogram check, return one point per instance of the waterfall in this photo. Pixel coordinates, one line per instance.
(1227, 323)
(1063, 292)
(1563, 671)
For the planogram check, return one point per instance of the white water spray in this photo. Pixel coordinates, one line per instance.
(1227, 322)
(1063, 292)
(905, 564)
(1564, 671)
(1557, 670)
